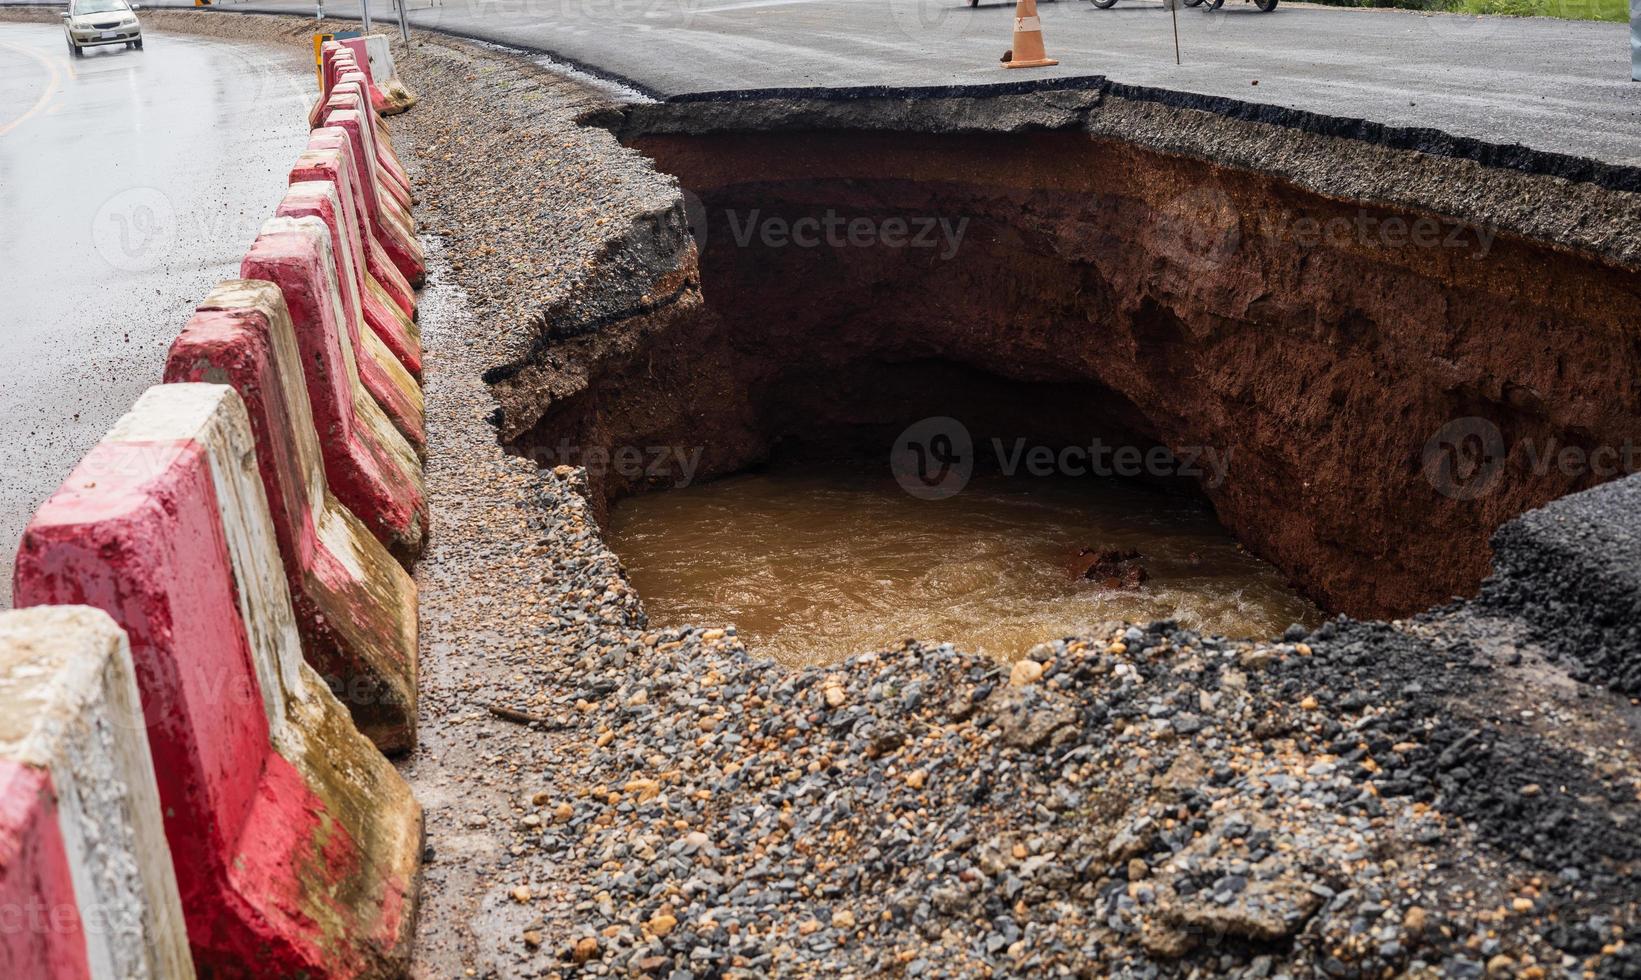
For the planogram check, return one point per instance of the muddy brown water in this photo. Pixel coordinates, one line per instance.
(813, 564)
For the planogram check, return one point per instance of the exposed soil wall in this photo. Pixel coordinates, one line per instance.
(1322, 345)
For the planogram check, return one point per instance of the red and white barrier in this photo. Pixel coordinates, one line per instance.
(387, 380)
(343, 110)
(401, 336)
(369, 465)
(86, 886)
(373, 55)
(295, 844)
(355, 607)
(336, 165)
(392, 224)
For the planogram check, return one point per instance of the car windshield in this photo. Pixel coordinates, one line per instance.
(83, 7)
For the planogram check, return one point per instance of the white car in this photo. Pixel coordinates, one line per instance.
(92, 22)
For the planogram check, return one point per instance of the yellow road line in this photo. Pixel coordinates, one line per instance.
(45, 97)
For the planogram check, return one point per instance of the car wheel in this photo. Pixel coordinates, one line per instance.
(1103, 4)
(79, 52)
(1265, 6)
(138, 42)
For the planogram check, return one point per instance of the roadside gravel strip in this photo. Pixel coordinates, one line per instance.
(602, 797)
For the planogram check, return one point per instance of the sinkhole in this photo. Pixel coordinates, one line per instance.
(996, 388)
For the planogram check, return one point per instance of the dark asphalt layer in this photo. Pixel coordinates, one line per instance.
(130, 183)
(1553, 85)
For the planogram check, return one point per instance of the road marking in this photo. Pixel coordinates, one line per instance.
(45, 97)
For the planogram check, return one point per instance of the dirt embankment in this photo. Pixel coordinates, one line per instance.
(1344, 357)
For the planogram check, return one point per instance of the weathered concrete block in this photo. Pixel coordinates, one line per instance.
(86, 885)
(387, 380)
(390, 225)
(355, 607)
(369, 465)
(336, 165)
(397, 331)
(295, 844)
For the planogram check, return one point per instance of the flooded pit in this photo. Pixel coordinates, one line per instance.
(1087, 288)
(816, 562)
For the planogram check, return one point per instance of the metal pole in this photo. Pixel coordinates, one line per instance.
(364, 5)
(1174, 7)
(404, 22)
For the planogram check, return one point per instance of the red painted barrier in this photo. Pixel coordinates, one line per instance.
(324, 200)
(389, 171)
(331, 159)
(379, 369)
(86, 885)
(345, 75)
(343, 112)
(34, 874)
(397, 241)
(370, 467)
(355, 607)
(295, 844)
(364, 151)
(351, 123)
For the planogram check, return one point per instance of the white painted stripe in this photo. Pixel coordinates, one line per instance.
(266, 299)
(1027, 25)
(69, 704)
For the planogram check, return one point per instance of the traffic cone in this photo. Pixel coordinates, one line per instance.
(1028, 39)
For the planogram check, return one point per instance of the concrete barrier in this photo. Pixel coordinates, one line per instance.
(342, 74)
(355, 607)
(395, 200)
(387, 380)
(331, 159)
(369, 465)
(395, 237)
(344, 109)
(374, 56)
(346, 96)
(86, 885)
(295, 844)
(342, 67)
(398, 333)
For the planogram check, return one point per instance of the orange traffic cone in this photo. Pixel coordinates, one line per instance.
(1028, 39)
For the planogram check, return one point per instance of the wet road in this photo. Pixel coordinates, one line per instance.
(1557, 85)
(130, 182)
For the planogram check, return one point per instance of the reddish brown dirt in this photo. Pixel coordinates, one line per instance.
(1103, 290)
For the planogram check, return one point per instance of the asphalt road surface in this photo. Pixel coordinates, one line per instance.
(130, 183)
(1556, 85)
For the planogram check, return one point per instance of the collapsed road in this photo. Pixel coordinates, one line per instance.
(1450, 793)
(1453, 792)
